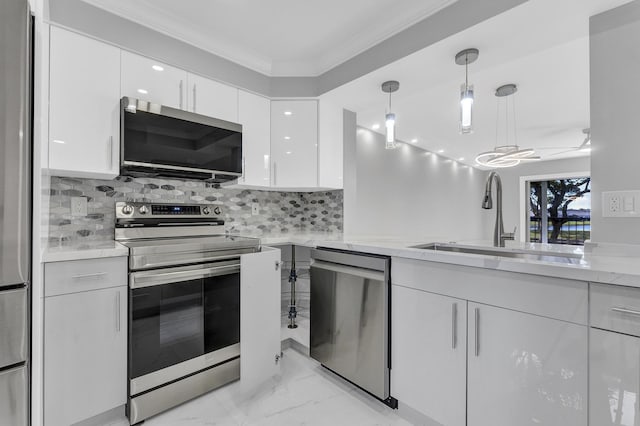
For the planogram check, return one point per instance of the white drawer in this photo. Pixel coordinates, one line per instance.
(84, 275)
(615, 308)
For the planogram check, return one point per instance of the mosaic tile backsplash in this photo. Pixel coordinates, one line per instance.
(280, 212)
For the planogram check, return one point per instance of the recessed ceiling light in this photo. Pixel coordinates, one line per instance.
(414, 140)
(287, 138)
(157, 68)
(58, 141)
(375, 126)
(288, 152)
(461, 159)
(144, 92)
(288, 113)
(440, 151)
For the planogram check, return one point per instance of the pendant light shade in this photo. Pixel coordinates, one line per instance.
(466, 57)
(390, 118)
(506, 153)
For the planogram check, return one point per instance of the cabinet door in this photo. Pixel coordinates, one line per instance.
(294, 144)
(255, 116)
(330, 144)
(153, 81)
(84, 106)
(208, 97)
(614, 379)
(259, 317)
(85, 354)
(524, 369)
(429, 354)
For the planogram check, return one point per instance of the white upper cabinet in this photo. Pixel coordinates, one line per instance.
(84, 106)
(294, 143)
(254, 113)
(525, 369)
(153, 81)
(330, 144)
(208, 97)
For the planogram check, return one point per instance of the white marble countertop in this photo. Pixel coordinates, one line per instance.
(611, 264)
(85, 250)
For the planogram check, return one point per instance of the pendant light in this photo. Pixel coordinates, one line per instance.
(390, 118)
(508, 154)
(466, 57)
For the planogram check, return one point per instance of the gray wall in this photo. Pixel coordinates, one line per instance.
(615, 134)
(512, 199)
(407, 194)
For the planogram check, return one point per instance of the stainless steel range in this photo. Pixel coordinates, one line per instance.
(184, 302)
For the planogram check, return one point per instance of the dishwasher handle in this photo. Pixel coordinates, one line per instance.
(350, 270)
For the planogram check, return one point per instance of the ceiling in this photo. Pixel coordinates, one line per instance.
(278, 37)
(542, 46)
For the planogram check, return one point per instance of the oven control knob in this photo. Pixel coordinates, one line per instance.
(217, 210)
(143, 210)
(127, 209)
(206, 210)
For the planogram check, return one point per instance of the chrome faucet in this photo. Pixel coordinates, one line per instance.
(499, 236)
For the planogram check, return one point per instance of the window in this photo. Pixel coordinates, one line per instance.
(559, 210)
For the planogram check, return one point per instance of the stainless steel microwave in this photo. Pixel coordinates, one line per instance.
(161, 141)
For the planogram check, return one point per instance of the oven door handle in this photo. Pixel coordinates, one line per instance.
(150, 279)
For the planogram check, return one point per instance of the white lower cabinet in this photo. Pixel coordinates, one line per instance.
(429, 354)
(85, 341)
(525, 369)
(614, 379)
(259, 317)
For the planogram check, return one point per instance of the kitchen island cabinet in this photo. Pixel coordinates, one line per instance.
(526, 345)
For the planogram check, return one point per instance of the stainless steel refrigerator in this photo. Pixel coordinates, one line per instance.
(15, 209)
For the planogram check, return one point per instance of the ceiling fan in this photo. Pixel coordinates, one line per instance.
(585, 146)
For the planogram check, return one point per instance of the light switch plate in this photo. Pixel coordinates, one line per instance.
(621, 204)
(255, 209)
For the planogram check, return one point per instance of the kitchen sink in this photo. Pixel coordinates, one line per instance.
(567, 258)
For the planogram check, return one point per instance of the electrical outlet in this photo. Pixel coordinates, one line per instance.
(255, 209)
(620, 203)
(614, 203)
(78, 206)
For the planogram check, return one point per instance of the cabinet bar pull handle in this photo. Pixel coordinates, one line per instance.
(454, 325)
(118, 311)
(85, 276)
(180, 88)
(194, 98)
(275, 174)
(477, 325)
(626, 311)
(110, 153)
(244, 165)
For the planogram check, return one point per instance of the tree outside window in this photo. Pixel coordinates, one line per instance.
(560, 211)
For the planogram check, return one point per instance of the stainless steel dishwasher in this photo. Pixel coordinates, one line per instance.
(350, 318)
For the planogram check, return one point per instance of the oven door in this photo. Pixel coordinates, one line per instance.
(182, 320)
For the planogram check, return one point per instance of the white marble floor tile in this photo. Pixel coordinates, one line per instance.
(303, 394)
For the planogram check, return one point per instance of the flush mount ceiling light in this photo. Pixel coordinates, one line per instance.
(390, 118)
(465, 58)
(509, 153)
